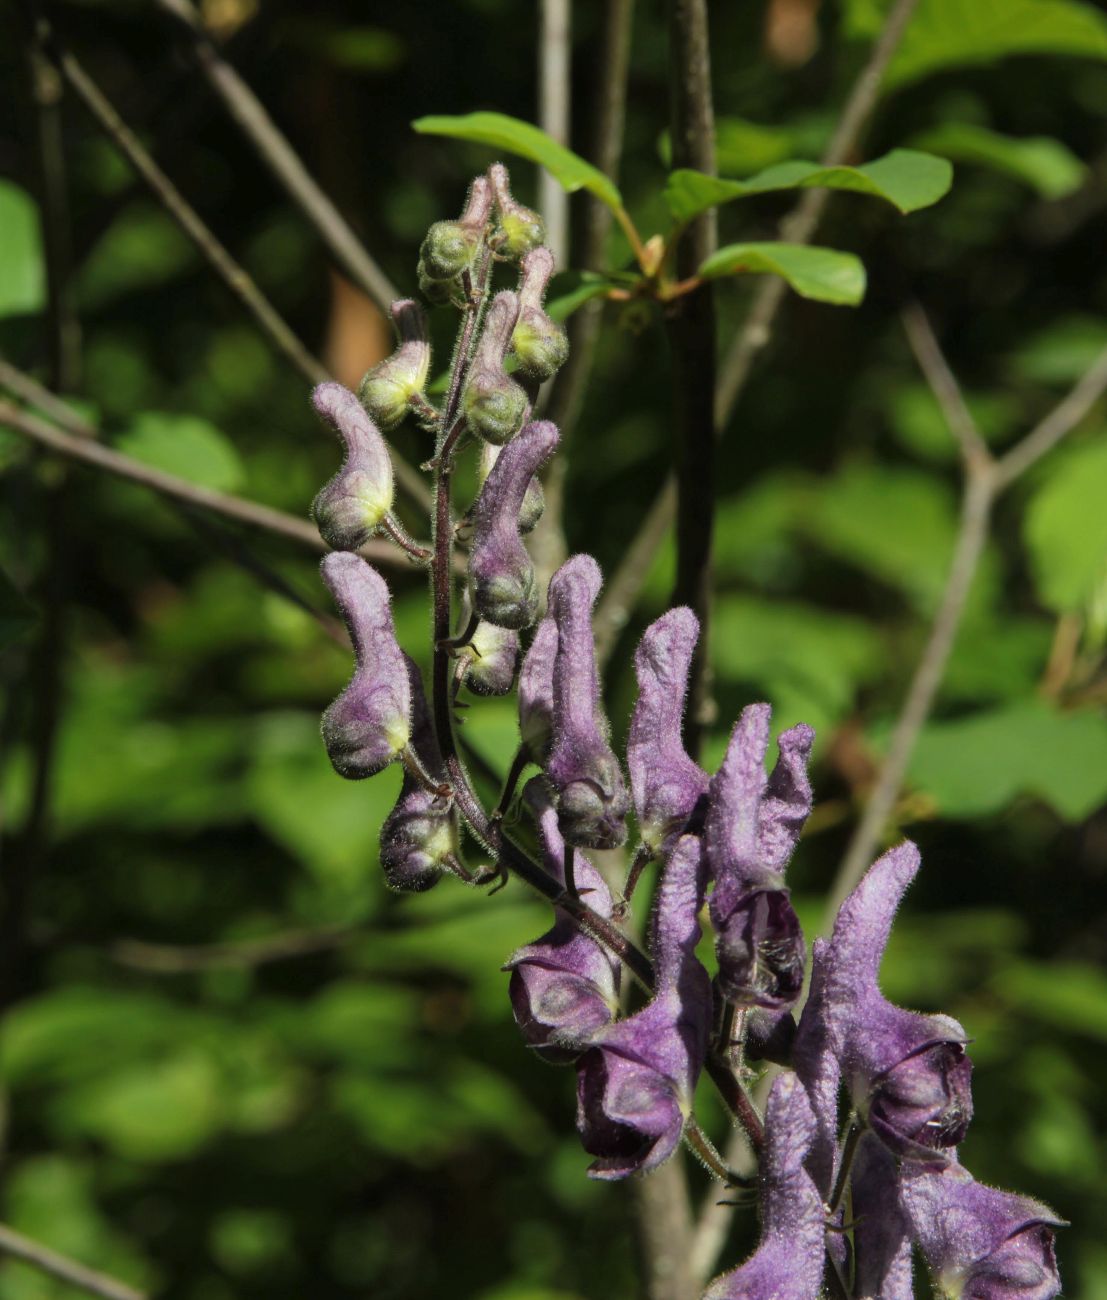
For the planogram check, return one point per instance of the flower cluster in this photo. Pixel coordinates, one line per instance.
(873, 1099)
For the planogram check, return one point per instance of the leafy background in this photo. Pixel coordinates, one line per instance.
(361, 1120)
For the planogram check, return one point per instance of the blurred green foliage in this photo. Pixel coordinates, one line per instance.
(360, 1119)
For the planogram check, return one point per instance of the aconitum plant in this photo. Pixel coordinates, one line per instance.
(857, 1148)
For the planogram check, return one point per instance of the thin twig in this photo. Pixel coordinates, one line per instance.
(985, 478)
(943, 385)
(282, 160)
(68, 1270)
(178, 959)
(798, 228)
(554, 89)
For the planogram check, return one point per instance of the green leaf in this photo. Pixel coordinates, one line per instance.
(526, 141)
(187, 446)
(22, 270)
(1062, 995)
(1065, 528)
(1060, 352)
(907, 179)
(963, 33)
(571, 290)
(742, 147)
(975, 766)
(142, 249)
(823, 274)
(1041, 162)
(17, 615)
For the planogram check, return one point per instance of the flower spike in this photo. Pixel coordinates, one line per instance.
(583, 770)
(370, 723)
(349, 509)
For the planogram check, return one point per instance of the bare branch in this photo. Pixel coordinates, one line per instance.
(282, 160)
(179, 959)
(68, 1270)
(554, 88)
(943, 385)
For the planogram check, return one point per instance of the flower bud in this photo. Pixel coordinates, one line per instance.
(349, 509)
(540, 344)
(518, 229)
(493, 656)
(534, 499)
(436, 292)
(387, 390)
(370, 722)
(493, 404)
(420, 833)
(536, 691)
(591, 796)
(450, 246)
(501, 573)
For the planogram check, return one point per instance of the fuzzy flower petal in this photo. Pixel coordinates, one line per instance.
(981, 1243)
(348, 509)
(788, 1264)
(386, 391)
(882, 1235)
(666, 783)
(564, 986)
(370, 722)
(536, 691)
(635, 1084)
(582, 769)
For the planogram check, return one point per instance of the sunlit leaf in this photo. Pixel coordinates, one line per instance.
(22, 272)
(1061, 351)
(1065, 527)
(906, 178)
(1041, 162)
(571, 291)
(187, 446)
(512, 135)
(142, 249)
(823, 274)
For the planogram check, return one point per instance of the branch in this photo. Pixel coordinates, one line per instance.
(798, 228)
(943, 385)
(985, 478)
(61, 1266)
(282, 160)
(554, 89)
(178, 959)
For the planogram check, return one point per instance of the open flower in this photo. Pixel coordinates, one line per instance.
(370, 723)
(565, 986)
(752, 826)
(582, 769)
(788, 1263)
(635, 1084)
(667, 785)
(981, 1243)
(349, 509)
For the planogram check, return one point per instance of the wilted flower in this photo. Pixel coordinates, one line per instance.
(565, 986)
(635, 1084)
(349, 509)
(493, 404)
(518, 228)
(788, 1264)
(370, 723)
(501, 572)
(981, 1243)
(582, 769)
(752, 826)
(387, 389)
(540, 344)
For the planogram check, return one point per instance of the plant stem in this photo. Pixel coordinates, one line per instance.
(60, 1266)
(554, 87)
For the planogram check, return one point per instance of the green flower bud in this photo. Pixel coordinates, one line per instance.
(387, 390)
(493, 404)
(518, 228)
(450, 246)
(436, 292)
(540, 344)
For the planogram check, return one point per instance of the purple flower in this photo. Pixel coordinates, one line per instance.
(907, 1073)
(501, 573)
(667, 785)
(540, 344)
(752, 826)
(349, 509)
(981, 1243)
(492, 655)
(582, 769)
(788, 1263)
(387, 389)
(882, 1234)
(419, 837)
(494, 405)
(370, 723)
(534, 499)
(565, 986)
(635, 1084)
(536, 691)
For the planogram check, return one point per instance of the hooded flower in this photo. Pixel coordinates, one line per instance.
(635, 1084)
(536, 689)
(349, 509)
(370, 723)
(582, 769)
(981, 1243)
(881, 1234)
(788, 1263)
(387, 390)
(494, 405)
(419, 836)
(540, 344)
(753, 824)
(518, 229)
(565, 986)
(501, 572)
(667, 785)
(907, 1073)
(534, 499)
